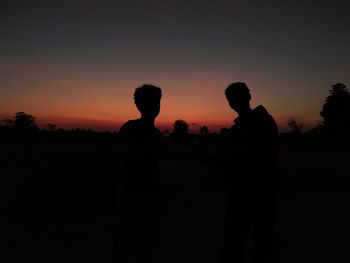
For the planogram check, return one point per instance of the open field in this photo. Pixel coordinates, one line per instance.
(58, 202)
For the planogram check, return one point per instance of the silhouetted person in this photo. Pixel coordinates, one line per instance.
(251, 166)
(140, 143)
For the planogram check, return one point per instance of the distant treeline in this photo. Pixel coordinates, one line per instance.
(335, 114)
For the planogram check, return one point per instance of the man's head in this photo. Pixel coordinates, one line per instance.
(147, 100)
(238, 97)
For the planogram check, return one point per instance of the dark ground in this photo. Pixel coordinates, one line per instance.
(58, 203)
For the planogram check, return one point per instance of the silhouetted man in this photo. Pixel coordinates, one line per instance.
(251, 165)
(140, 143)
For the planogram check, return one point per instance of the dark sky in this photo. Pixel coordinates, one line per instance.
(83, 59)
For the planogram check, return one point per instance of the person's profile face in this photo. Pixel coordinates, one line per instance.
(237, 102)
(155, 108)
(150, 108)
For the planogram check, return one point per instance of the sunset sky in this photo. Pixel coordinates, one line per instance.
(77, 63)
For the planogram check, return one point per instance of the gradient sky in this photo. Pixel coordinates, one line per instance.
(77, 63)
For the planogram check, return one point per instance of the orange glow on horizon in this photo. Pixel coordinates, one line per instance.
(71, 98)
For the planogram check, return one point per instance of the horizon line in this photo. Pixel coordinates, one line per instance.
(101, 125)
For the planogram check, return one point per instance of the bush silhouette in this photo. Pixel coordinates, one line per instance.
(204, 130)
(180, 127)
(296, 127)
(22, 123)
(336, 110)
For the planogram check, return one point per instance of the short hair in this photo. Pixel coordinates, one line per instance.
(147, 93)
(239, 89)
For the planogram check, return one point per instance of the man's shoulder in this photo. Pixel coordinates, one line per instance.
(262, 113)
(264, 117)
(137, 128)
(129, 126)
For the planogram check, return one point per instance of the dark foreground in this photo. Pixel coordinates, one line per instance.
(58, 203)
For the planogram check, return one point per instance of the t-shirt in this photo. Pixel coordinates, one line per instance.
(140, 164)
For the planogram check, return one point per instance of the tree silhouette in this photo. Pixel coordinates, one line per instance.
(295, 126)
(204, 130)
(9, 122)
(51, 127)
(336, 110)
(180, 127)
(24, 122)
